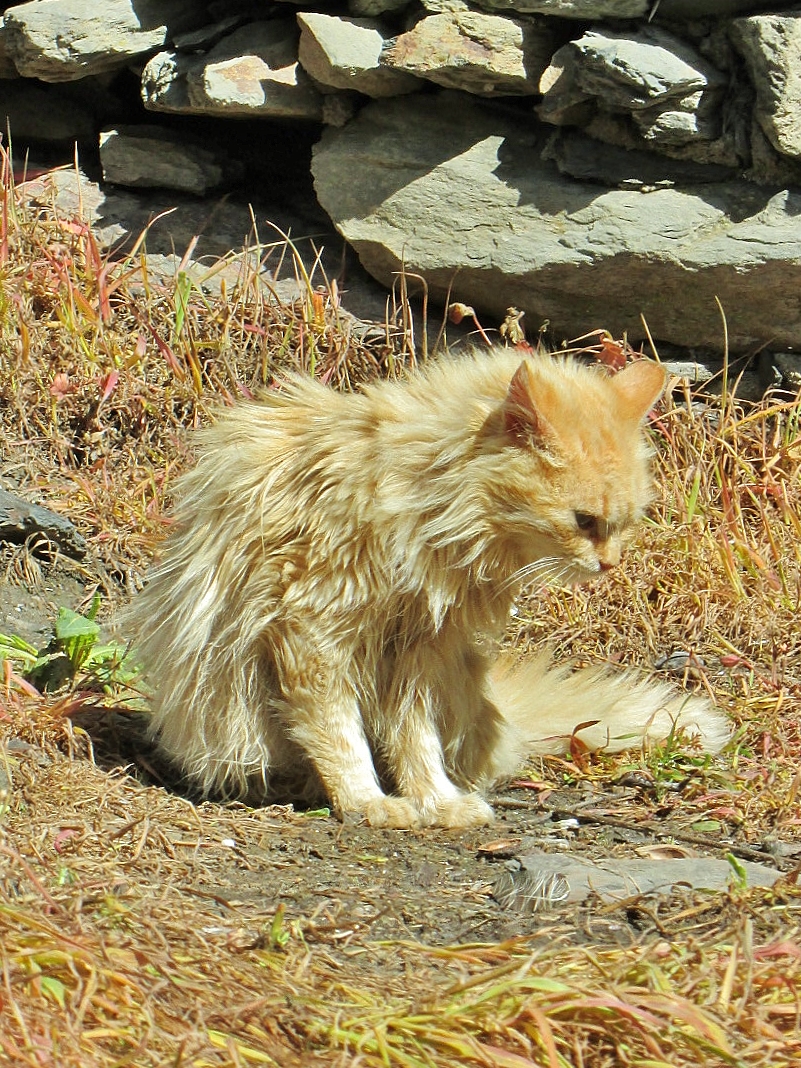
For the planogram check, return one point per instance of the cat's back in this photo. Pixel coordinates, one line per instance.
(449, 397)
(303, 415)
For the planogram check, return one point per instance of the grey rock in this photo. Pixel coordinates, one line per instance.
(677, 10)
(120, 217)
(745, 385)
(481, 54)
(21, 520)
(780, 370)
(620, 130)
(447, 188)
(572, 9)
(616, 879)
(225, 276)
(694, 117)
(583, 157)
(71, 193)
(154, 157)
(767, 166)
(7, 67)
(164, 81)
(631, 71)
(346, 53)
(526, 890)
(672, 94)
(437, 7)
(371, 8)
(564, 100)
(693, 372)
(771, 48)
(789, 366)
(253, 71)
(62, 40)
(339, 108)
(205, 37)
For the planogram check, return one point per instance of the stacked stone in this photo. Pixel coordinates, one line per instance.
(590, 161)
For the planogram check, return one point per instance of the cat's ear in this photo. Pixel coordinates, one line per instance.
(638, 387)
(523, 418)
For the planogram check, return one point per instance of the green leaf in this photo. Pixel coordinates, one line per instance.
(707, 826)
(12, 643)
(55, 989)
(71, 625)
(740, 875)
(692, 500)
(183, 289)
(92, 613)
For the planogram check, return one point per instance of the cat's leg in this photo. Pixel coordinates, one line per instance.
(417, 761)
(414, 753)
(447, 730)
(321, 714)
(320, 711)
(332, 734)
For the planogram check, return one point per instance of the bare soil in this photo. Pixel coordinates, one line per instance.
(345, 882)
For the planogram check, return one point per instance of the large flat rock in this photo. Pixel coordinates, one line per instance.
(253, 71)
(445, 188)
(482, 54)
(343, 53)
(62, 40)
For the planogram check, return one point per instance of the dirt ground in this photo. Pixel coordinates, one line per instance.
(347, 881)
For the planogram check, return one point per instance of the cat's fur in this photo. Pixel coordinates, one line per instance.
(325, 613)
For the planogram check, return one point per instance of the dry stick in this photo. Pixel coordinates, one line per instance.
(747, 852)
(30, 873)
(648, 335)
(725, 380)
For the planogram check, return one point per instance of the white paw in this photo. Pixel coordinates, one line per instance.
(465, 810)
(394, 812)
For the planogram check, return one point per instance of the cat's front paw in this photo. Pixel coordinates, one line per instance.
(394, 812)
(466, 810)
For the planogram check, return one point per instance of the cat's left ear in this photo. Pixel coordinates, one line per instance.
(638, 387)
(526, 400)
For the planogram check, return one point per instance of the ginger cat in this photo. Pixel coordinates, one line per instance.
(324, 617)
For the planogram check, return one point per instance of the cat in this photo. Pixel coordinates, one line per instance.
(325, 617)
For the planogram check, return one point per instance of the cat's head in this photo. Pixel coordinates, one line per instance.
(576, 477)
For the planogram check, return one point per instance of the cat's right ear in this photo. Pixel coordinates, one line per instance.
(522, 416)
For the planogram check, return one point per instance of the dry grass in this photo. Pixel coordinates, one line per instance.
(116, 950)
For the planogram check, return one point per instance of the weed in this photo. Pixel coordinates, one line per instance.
(74, 655)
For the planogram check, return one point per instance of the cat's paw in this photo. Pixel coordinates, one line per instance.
(466, 810)
(394, 812)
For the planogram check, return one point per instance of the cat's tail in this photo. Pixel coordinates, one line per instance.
(545, 706)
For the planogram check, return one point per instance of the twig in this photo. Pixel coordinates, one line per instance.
(745, 851)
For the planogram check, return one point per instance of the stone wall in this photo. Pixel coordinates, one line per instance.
(595, 163)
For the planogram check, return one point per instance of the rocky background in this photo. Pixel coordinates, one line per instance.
(615, 163)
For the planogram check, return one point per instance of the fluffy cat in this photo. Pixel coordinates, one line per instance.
(324, 616)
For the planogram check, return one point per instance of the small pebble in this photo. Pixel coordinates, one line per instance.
(679, 661)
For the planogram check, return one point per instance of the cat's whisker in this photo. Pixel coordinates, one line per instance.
(548, 570)
(545, 566)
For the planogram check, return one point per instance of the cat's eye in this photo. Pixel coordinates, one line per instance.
(588, 524)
